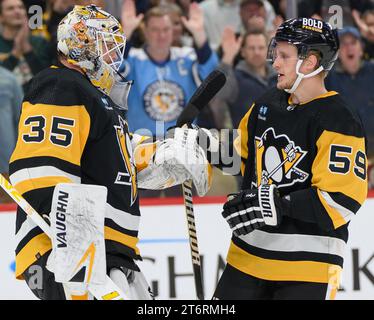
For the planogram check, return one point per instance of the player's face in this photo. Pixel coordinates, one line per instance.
(285, 64)
(109, 54)
(159, 32)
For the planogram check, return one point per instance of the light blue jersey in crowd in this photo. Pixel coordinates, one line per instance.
(161, 91)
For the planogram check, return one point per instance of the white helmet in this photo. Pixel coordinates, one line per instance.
(93, 40)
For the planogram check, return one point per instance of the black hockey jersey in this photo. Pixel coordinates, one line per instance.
(315, 154)
(70, 132)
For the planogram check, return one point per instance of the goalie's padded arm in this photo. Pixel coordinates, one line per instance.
(165, 163)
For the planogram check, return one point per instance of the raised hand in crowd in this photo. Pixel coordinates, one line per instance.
(278, 20)
(22, 44)
(365, 30)
(129, 20)
(230, 45)
(195, 24)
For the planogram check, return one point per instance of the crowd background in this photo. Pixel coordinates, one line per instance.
(181, 41)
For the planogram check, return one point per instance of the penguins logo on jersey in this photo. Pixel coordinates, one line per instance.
(278, 159)
(126, 178)
(164, 100)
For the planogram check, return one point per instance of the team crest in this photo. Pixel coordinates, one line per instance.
(277, 160)
(129, 177)
(164, 100)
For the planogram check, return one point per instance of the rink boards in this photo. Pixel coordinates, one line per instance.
(166, 256)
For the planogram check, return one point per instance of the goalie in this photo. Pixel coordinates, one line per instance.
(72, 134)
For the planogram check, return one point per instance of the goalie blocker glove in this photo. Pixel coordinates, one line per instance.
(252, 209)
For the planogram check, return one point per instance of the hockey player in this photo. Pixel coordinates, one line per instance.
(71, 131)
(305, 176)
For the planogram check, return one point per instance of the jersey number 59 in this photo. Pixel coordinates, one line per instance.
(342, 157)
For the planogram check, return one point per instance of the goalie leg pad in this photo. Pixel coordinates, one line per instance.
(76, 291)
(77, 227)
(132, 283)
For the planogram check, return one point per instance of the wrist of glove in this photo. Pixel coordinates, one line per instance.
(252, 209)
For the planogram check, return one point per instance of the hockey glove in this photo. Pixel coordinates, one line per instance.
(208, 140)
(252, 209)
(172, 161)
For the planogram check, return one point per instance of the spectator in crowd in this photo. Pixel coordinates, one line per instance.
(257, 15)
(142, 6)
(180, 37)
(217, 15)
(10, 105)
(165, 77)
(366, 26)
(52, 15)
(20, 52)
(251, 77)
(237, 14)
(353, 78)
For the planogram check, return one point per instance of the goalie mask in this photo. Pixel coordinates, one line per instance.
(307, 35)
(93, 40)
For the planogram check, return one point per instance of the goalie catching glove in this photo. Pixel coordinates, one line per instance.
(166, 163)
(252, 209)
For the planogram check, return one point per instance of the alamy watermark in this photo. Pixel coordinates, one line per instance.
(35, 280)
(36, 18)
(336, 19)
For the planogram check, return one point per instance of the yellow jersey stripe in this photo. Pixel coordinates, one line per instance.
(38, 183)
(129, 241)
(279, 270)
(325, 95)
(38, 245)
(241, 142)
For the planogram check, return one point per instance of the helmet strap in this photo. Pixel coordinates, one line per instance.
(301, 76)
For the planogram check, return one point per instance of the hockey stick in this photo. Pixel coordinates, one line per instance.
(203, 94)
(107, 291)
